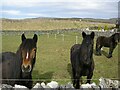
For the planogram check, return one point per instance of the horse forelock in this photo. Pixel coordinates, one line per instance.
(87, 41)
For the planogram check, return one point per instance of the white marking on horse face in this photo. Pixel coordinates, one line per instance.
(27, 55)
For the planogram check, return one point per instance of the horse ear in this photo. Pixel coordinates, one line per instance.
(35, 38)
(92, 35)
(83, 34)
(23, 37)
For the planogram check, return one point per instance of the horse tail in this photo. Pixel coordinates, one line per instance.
(97, 44)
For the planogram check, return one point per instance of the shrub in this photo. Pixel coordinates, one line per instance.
(106, 28)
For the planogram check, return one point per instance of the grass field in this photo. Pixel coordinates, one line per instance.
(49, 24)
(53, 58)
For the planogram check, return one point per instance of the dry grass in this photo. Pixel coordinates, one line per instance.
(48, 24)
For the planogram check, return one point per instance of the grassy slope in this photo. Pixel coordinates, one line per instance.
(48, 24)
(53, 59)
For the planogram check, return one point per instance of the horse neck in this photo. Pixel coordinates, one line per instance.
(19, 52)
(112, 38)
(19, 55)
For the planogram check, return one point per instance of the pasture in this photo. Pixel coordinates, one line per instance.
(53, 57)
(52, 24)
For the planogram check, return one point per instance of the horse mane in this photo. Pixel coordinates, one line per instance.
(112, 37)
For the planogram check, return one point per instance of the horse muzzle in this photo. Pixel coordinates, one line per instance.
(26, 68)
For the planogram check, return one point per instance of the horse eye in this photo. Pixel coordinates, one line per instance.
(33, 53)
(34, 49)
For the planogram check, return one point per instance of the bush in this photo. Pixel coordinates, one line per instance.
(106, 28)
(99, 28)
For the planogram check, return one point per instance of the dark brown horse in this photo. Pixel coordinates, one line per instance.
(82, 59)
(27, 53)
(10, 66)
(20, 65)
(110, 42)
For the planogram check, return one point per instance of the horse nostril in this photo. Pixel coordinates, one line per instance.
(26, 68)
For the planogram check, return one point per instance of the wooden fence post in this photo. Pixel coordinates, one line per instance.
(76, 39)
(55, 36)
(48, 35)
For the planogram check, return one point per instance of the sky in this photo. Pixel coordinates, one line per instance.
(21, 9)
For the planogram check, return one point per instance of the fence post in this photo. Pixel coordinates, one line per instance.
(48, 35)
(76, 39)
(55, 36)
(62, 37)
(0, 51)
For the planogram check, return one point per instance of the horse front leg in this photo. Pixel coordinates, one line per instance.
(77, 80)
(111, 50)
(98, 49)
(73, 77)
(89, 77)
(78, 84)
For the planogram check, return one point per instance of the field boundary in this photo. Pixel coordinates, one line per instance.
(19, 32)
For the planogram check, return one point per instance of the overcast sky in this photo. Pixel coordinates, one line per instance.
(20, 9)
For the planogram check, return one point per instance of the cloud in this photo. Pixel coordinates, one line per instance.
(31, 3)
(81, 5)
(34, 14)
(60, 8)
(11, 12)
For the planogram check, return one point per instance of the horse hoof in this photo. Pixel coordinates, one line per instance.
(98, 54)
(76, 86)
(109, 56)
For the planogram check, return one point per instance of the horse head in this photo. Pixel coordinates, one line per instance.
(27, 51)
(87, 47)
(116, 37)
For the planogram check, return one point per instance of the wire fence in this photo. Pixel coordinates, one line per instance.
(48, 32)
(50, 79)
(56, 34)
(63, 34)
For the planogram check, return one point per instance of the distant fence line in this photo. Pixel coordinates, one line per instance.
(39, 32)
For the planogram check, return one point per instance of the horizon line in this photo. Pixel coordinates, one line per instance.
(59, 18)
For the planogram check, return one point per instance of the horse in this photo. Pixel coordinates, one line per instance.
(10, 68)
(109, 42)
(81, 56)
(21, 63)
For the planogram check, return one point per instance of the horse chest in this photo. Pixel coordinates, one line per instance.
(84, 71)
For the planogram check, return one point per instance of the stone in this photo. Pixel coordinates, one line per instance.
(53, 84)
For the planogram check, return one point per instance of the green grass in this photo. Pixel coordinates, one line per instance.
(53, 58)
